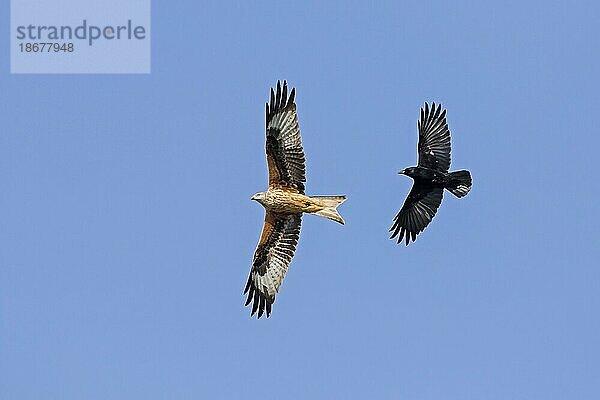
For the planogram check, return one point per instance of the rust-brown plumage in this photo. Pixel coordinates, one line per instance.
(284, 202)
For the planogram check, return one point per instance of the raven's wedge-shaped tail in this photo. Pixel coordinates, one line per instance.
(330, 204)
(459, 183)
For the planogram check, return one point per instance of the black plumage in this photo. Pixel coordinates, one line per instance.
(430, 176)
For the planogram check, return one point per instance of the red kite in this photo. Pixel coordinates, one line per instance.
(284, 202)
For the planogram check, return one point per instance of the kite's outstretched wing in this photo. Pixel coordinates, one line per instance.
(272, 257)
(417, 212)
(285, 156)
(434, 139)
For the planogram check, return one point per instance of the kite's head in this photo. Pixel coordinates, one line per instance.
(260, 197)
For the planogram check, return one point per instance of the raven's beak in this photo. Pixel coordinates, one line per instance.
(401, 172)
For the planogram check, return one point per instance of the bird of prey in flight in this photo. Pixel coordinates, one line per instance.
(284, 202)
(430, 176)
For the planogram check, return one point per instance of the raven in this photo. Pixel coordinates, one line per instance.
(430, 176)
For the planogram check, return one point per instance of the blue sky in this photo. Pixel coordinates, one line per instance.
(127, 230)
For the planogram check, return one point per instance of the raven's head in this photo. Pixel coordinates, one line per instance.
(410, 171)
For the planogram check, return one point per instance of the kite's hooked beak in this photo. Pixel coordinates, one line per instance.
(255, 197)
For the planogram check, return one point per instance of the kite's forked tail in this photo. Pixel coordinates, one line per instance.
(331, 204)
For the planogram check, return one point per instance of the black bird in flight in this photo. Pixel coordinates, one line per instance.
(430, 176)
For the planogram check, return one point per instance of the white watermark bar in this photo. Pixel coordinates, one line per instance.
(80, 36)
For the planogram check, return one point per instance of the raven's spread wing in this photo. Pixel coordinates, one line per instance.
(271, 259)
(417, 212)
(434, 139)
(285, 156)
